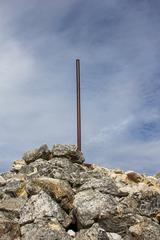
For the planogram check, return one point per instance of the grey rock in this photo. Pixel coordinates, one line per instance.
(120, 222)
(68, 151)
(114, 236)
(145, 230)
(15, 188)
(9, 230)
(7, 175)
(2, 181)
(71, 233)
(54, 195)
(59, 168)
(17, 165)
(46, 230)
(95, 233)
(41, 206)
(104, 185)
(32, 155)
(144, 203)
(12, 205)
(92, 205)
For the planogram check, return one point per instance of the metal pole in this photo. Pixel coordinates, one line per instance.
(78, 104)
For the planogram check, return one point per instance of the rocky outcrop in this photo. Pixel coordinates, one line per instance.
(54, 195)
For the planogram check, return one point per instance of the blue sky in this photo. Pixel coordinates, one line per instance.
(118, 43)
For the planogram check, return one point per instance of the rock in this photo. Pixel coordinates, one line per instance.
(133, 176)
(92, 205)
(17, 165)
(114, 236)
(68, 151)
(54, 195)
(71, 233)
(120, 221)
(158, 217)
(42, 152)
(60, 189)
(2, 181)
(7, 175)
(157, 175)
(59, 168)
(46, 230)
(145, 230)
(144, 203)
(15, 188)
(104, 185)
(12, 205)
(9, 230)
(94, 233)
(43, 206)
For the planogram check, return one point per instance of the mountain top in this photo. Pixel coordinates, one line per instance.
(54, 195)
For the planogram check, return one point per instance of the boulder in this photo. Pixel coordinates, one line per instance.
(43, 206)
(17, 165)
(92, 205)
(133, 176)
(104, 185)
(12, 205)
(68, 151)
(60, 189)
(145, 230)
(2, 181)
(32, 155)
(95, 233)
(44, 229)
(15, 188)
(9, 230)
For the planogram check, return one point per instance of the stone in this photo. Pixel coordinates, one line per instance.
(43, 206)
(9, 230)
(133, 176)
(60, 189)
(145, 203)
(68, 151)
(71, 233)
(114, 236)
(2, 181)
(145, 230)
(17, 165)
(54, 195)
(32, 155)
(46, 230)
(104, 185)
(12, 205)
(59, 168)
(15, 188)
(158, 217)
(92, 205)
(157, 175)
(95, 233)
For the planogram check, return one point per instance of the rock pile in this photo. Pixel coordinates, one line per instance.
(54, 195)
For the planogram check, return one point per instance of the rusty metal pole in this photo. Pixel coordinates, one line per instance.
(78, 104)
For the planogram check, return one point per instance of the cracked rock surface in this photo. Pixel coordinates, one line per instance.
(52, 194)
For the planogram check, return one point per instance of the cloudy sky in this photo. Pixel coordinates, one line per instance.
(118, 43)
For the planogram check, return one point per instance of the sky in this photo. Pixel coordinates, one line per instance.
(118, 44)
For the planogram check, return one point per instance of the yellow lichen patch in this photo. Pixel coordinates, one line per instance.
(55, 225)
(21, 191)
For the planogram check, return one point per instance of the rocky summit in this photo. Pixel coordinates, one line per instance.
(54, 195)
